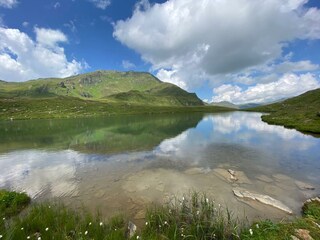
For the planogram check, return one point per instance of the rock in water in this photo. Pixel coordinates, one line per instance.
(304, 186)
(265, 199)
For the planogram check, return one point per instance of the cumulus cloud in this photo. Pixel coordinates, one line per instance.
(189, 42)
(22, 58)
(8, 3)
(288, 85)
(127, 64)
(102, 4)
(301, 66)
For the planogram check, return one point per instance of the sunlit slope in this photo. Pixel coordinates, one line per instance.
(131, 87)
(301, 112)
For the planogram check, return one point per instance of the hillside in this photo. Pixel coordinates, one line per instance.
(301, 112)
(98, 93)
(224, 104)
(134, 87)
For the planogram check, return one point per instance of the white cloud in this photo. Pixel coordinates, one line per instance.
(22, 58)
(8, 3)
(301, 66)
(56, 5)
(127, 64)
(25, 24)
(190, 42)
(102, 4)
(49, 37)
(288, 85)
(170, 76)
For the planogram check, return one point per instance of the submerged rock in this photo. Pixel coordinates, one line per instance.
(264, 178)
(265, 199)
(304, 186)
(232, 176)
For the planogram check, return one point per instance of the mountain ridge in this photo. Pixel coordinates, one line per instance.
(105, 85)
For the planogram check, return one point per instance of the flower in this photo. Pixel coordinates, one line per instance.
(182, 198)
(22, 228)
(101, 223)
(165, 222)
(138, 237)
(257, 225)
(1, 236)
(47, 229)
(207, 200)
(250, 231)
(147, 223)
(28, 237)
(198, 212)
(90, 223)
(86, 232)
(3, 218)
(39, 238)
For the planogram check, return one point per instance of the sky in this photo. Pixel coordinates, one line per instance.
(241, 51)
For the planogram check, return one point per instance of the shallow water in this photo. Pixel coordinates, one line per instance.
(121, 164)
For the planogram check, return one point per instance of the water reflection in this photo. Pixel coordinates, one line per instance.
(126, 162)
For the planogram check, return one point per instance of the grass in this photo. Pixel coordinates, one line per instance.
(12, 203)
(70, 107)
(193, 216)
(124, 87)
(301, 112)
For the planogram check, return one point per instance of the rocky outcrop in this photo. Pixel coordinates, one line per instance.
(265, 199)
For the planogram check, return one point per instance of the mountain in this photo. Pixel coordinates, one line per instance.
(301, 112)
(108, 86)
(224, 104)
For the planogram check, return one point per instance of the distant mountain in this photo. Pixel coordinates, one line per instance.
(138, 88)
(249, 105)
(224, 104)
(301, 112)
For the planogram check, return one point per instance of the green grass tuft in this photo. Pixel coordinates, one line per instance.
(12, 203)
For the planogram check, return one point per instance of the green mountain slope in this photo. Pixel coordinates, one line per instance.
(133, 87)
(301, 112)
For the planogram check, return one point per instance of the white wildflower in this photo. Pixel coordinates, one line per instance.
(147, 223)
(250, 231)
(207, 200)
(47, 229)
(39, 238)
(138, 237)
(198, 212)
(257, 225)
(28, 237)
(1, 236)
(182, 198)
(22, 228)
(101, 223)
(3, 218)
(86, 232)
(90, 223)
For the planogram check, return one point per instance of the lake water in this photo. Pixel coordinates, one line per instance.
(122, 164)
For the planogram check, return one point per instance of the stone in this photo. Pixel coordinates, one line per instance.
(232, 172)
(303, 234)
(132, 228)
(304, 186)
(265, 199)
(264, 178)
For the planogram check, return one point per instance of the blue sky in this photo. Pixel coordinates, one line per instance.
(239, 51)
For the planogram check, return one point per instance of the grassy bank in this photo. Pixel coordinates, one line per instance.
(301, 112)
(191, 217)
(70, 107)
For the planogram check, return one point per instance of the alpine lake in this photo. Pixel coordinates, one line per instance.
(122, 164)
